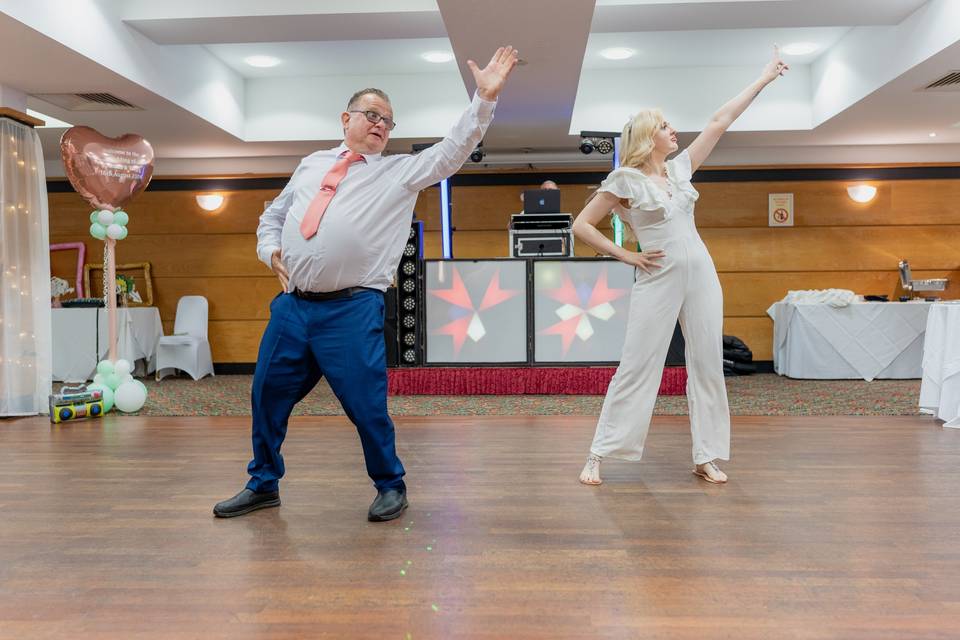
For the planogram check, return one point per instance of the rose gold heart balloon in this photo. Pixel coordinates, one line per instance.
(107, 172)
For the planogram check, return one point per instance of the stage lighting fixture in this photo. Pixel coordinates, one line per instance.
(604, 145)
(478, 153)
(586, 145)
(408, 286)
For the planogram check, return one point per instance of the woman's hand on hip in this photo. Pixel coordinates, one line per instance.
(645, 260)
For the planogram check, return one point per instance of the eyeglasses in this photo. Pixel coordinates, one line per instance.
(374, 117)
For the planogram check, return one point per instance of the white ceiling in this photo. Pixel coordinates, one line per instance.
(206, 111)
(727, 47)
(341, 57)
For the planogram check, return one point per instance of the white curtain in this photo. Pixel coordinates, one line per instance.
(25, 352)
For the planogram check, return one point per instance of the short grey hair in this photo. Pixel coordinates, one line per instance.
(355, 98)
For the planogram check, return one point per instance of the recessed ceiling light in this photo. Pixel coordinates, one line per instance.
(933, 134)
(618, 53)
(437, 56)
(262, 62)
(800, 48)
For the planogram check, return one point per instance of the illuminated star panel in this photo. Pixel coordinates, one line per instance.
(476, 311)
(580, 309)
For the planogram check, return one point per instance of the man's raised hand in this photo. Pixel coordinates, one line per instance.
(490, 79)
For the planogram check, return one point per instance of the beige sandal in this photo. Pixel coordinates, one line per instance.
(719, 476)
(591, 469)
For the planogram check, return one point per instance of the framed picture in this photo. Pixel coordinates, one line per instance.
(139, 272)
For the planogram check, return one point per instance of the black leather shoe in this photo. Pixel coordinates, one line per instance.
(389, 504)
(245, 502)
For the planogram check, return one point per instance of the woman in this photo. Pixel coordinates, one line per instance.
(675, 278)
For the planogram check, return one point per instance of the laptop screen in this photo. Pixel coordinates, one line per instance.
(541, 201)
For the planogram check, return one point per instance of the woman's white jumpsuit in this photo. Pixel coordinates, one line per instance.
(686, 286)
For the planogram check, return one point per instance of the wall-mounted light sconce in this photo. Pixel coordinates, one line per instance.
(210, 201)
(862, 192)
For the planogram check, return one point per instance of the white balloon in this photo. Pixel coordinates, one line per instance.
(129, 397)
(126, 378)
(114, 231)
(121, 367)
(100, 379)
(105, 218)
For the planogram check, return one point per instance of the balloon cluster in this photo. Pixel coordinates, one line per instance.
(109, 224)
(120, 389)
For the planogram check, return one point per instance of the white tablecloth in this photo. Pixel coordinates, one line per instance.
(863, 340)
(940, 387)
(81, 339)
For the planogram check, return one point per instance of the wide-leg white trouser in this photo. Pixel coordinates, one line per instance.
(686, 287)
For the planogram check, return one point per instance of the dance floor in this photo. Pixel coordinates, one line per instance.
(831, 527)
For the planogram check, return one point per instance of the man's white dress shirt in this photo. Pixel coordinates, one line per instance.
(365, 227)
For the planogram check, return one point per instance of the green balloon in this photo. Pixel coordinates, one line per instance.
(112, 381)
(107, 395)
(104, 367)
(93, 215)
(121, 218)
(97, 231)
(123, 233)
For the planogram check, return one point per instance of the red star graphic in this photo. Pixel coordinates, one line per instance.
(566, 329)
(456, 330)
(495, 295)
(601, 293)
(567, 294)
(457, 294)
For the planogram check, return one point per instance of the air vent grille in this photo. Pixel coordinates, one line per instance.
(949, 82)
(95, 101)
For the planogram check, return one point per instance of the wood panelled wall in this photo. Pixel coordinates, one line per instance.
(835, 243)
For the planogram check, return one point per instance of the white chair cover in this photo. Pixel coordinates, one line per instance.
(188, 348)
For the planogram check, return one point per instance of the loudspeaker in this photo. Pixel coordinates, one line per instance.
(391, 338)
(409, 298)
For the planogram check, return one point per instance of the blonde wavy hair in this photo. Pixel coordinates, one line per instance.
(636, 141)
(636, 146)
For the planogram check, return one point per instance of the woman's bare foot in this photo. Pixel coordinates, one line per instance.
(591, 470)
(710, 472)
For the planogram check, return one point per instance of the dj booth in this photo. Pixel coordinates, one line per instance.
(541, 230)
(533, 311)
(560, 320)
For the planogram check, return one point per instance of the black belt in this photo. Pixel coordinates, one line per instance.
(331, 295)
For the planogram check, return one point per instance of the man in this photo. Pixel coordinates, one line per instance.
(334, 237)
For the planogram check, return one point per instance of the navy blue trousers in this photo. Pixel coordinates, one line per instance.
(305, 340)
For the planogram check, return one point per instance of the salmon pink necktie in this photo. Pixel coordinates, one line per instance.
(328, 189)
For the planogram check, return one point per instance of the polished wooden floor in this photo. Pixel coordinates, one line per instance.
(830, 528)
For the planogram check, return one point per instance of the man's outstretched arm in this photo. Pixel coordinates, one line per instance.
(447, 156)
